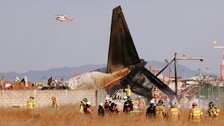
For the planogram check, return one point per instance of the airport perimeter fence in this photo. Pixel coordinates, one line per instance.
(213, 94)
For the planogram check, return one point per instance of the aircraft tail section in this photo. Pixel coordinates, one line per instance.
(122, 52)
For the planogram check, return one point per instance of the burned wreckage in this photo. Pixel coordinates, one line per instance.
(124, 67)
(123, 54)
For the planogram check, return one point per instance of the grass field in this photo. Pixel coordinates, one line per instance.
(70, 116)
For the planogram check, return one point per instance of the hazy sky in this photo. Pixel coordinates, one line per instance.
(31, 38)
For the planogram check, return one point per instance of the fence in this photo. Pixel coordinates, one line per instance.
(9, 98)
(213, 94)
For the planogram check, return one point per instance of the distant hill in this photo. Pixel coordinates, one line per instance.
(57, 73)
(68, 72)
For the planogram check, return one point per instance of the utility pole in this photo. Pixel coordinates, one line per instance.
(175, 71)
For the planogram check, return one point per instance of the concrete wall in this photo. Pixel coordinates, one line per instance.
(9, 98)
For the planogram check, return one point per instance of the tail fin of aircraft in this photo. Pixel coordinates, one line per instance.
(122, 52)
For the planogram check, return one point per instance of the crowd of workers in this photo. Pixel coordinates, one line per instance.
(156, 109)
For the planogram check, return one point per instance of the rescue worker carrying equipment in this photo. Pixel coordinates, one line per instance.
(212, 110)
(30, 103)
(195, 114)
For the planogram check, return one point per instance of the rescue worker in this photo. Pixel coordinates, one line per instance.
(112, 106)
(106, 105)
(160, 110)
(173, 113)
(128, 91)
(101, 111)
(194, 99)
(88, 108)
(55, 103)
(195, 113)
(212, 110)
(128, 106)
(115, 108)
(30, 103)
(83, 105)
(151, 111)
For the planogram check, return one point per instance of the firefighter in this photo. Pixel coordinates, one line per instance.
(101, 111)
(160, 110)
(128, 91)
(83, 105)
(212, 110)
(30, 103)
(173, 113)
(195, 113)
(55, 103)
(88, 108)
(151, 111)
(106, 104)
(128, 106)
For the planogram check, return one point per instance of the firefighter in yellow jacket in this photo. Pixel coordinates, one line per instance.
(30, 103)
(128, 91)
(212, 110)
(195, 114)
(160, 110)
(55, 103)
(173, 113)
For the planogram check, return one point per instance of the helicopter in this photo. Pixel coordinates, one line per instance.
(64, 18)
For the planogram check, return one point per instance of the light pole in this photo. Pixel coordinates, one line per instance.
(175, 66)
(183, 58)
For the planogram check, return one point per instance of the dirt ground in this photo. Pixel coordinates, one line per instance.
(70, 116)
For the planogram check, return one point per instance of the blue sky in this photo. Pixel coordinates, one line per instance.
(31, 38)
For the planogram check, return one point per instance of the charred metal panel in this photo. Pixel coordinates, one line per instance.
(142, 81)
(122, 52)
